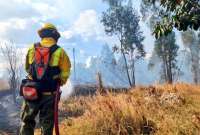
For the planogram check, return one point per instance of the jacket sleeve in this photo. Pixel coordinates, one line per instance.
(65, 66)
(29, 59)
(27, 62)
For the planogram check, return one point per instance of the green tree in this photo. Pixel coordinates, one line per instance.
(123, 22)
(181, 14)
(191, 41)
(166, 49)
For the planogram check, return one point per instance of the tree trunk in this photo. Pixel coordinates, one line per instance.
(13, 86)
(100, 88)
(132, 69)
(194, 70)
(127, 71)
(167, 61)
(170, 81)
(133, 75)
(195, 61)
(124, 56)
(166, 68)
(168, 72)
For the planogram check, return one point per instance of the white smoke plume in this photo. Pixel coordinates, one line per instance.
(67, 90)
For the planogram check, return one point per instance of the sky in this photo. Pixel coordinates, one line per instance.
(77, 21)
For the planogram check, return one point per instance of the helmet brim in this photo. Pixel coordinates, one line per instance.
(49, 33)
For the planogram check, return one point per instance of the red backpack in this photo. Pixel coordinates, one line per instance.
(42, 58)
(41, 72)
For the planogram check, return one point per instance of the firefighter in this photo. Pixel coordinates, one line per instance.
(47, 65)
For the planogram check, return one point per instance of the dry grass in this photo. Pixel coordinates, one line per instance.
(159, 110)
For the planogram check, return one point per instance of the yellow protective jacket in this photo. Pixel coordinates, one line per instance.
(59, 58)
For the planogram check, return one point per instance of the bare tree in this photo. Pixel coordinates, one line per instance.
(12, 58)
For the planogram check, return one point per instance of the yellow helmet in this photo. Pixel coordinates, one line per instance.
(48, 26)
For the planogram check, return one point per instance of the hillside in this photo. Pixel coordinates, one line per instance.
(159, 110)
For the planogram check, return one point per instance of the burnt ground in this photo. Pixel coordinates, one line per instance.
(89, 90)
(9, 114)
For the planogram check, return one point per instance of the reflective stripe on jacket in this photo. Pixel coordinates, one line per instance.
(59, 58)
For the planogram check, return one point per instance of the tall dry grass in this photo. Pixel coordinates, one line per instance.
(159, 110)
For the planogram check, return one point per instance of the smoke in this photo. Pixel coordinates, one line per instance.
(67, 90)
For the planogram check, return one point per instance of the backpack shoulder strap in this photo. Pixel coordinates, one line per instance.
(37, 44)
(53, 49)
